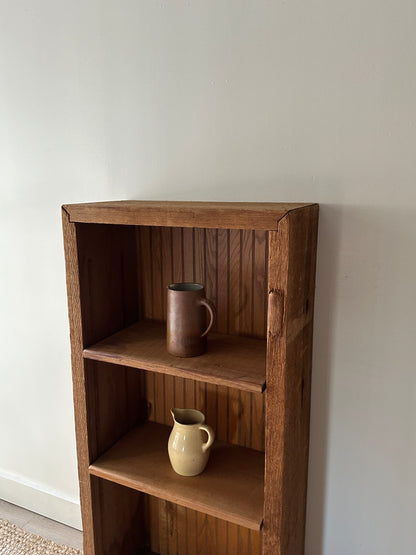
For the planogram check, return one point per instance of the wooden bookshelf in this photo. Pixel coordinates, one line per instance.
(257, 263)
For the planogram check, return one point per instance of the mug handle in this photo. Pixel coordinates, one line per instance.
(211, 437)
(209, 305)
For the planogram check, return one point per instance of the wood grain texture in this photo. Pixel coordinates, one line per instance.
(108, 281)
(232, 264)
(102, 297)
(230, 360)
(292, 259)
(78, 380)
(261, 281)
(116, 401)
(231, 487)
(219, 215)
(120, 521)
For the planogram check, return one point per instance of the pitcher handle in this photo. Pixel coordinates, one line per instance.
(209, 305)
(211, 436)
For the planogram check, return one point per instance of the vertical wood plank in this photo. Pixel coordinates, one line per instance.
(222, 537)
(171, 513)
(200, 277)
(199, 255)
(159, 398)
(191, 539)
(190, 394)
(255, 543)
(182, 531)
(167, 264)
(260, 283)
(157, 286)
(211, 267)
(234, 306)
(150, 395)
(245, 328)
(188, 254)
(78, 380)
(146, 271)
(244, 419)
(234, 327)
(222, 413)
(222, 280)
(163, 527)
(260, 249)
(246, 285)
(177, 254)
(179, 393)
(292, 256)
(257, 421)
(211, 406)
(202, 534)
(222, 327)
(169, 400)
(232, 538)
(211, 534)
(243, 541)
(154, 524)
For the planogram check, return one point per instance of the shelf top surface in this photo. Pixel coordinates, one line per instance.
(221, 215)
(231, 486)
(230, 360)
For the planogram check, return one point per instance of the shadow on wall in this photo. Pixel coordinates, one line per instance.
(327, 271)
(363, 314)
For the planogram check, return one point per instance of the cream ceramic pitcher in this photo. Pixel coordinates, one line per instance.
(188, 453)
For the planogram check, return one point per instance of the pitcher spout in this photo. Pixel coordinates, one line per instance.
(176, 414)
(187, 416)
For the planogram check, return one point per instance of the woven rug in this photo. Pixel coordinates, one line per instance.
(15, 541)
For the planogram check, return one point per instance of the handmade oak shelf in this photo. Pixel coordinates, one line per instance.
(257, 263)
(231, 360)
(231, 488)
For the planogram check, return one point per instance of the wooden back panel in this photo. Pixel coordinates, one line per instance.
(232, 264)
(124, 272)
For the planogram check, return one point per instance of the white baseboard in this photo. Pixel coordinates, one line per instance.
(39, 499)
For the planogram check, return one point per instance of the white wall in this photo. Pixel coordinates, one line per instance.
(235, 100)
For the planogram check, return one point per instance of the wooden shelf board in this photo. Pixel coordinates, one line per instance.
(230, 488)
(233, 361)
(221, 215)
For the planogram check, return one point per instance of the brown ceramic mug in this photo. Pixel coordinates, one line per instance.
(186, 321)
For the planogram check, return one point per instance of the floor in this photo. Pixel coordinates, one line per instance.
(40, 525)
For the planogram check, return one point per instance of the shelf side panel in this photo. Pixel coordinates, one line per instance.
(292, 260)
(108, 279)
(78, 380)
(116, 401)
(120, 519)
(95, 264)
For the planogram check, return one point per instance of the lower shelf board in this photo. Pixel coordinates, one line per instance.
(230, 488)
